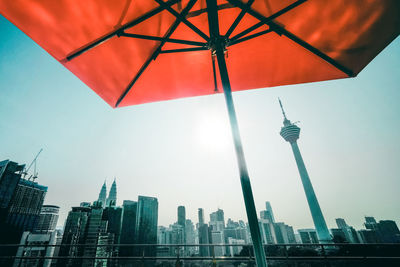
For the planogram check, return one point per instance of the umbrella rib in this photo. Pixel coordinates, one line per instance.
(248, 30)
(156, 52)
(115, 32)
(168, 40)
(249, 37)
(204, 10)
(238, 19)
(182, 18)
(281, 31)
(314, 50)
(245, 9)
(183, 50)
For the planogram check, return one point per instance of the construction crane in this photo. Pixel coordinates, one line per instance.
(35, 173)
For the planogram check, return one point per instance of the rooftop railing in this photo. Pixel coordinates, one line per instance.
(197, 255)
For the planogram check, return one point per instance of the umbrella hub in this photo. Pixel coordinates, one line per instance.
(217, 43)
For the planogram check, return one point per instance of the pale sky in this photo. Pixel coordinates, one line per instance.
(181, 151)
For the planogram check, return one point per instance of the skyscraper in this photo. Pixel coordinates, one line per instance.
(146, 223)
(388, 232)
(94, 227)
(308, 236)
(112, 195)
(190, 237)
(128, 227)
(203, 234)
(74, 234)
(181, 215)
(47, 219)
(290, 132)
(370, 223)
(201, 216)
(218, 216)
(269, 210)
(20, 203)
(36, 249)
(113, 216)
(103, 195)
(40, 242)
(267, 214)
(182, 221)
(349, 232)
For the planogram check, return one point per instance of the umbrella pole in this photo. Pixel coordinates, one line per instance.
(244, 175)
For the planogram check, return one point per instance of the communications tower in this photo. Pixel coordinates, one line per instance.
(290, 132)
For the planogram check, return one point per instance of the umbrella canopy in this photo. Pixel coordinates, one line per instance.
(133, 52)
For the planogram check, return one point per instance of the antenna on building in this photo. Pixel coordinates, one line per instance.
(283, 111)
(35, 173)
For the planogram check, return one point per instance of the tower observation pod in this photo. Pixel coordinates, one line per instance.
(290, 132)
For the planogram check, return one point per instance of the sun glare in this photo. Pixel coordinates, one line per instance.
(213, 132)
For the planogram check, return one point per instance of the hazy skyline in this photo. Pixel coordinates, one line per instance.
(181, 151)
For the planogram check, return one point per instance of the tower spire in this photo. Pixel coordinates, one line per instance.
(286, 122)
(103, 194)
(112, 195)
(283, 111)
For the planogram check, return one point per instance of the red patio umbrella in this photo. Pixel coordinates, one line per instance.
(134, 52)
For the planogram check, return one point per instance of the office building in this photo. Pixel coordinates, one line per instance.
(48, 219)
(128, 228)
(103, 195)
(74, 234)
(20, 203)
(36, 245)
(349, 232)
(268, 209)
(218, 216)
(146, 223)
(388, 231)
(201, 216)
(112, 195)
(308, 236)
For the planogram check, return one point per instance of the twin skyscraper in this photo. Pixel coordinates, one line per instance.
(111, 200)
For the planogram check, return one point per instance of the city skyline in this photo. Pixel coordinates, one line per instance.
(162, 148)
(95, 233)
(218, 214)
